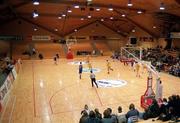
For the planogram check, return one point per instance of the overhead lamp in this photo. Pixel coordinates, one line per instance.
(56, 30)
(35, 14)
(69, 10)
(133, 30)
(139, 12)
(76, 6)
(35, 29)
(82, 18)
(89, 16)
(154, 27)
(111, 18)
(59, 17)
(110, 8)
(35, 2)
(123, 15)
(89, 0)
(64, 15)
(129, 3)
(162, 6)
(98, 9)
(75, 30)
(102, 19)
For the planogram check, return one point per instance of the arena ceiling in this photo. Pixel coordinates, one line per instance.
(145, 14)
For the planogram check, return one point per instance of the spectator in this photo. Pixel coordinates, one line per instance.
(121, 117)
(153, 110)
(133, 114)
(92, 118)
(113, 116)
(83, 117)
(98, 115)
(86, 108)
(107, 117)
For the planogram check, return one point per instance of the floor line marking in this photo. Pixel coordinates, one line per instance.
(33, 90)
(99, 97)
(55, 94)
(12, 110)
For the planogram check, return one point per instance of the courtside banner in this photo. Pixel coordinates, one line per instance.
(3, 91)
(14, 73)
(8, 83)
(41, 38)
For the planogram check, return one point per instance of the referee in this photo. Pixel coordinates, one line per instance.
(93, 79)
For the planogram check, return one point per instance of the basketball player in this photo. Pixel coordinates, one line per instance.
(144, 67)
(160, 91)
(93, 79)
(90, 66)
(80, 69)
(57, 56)
(55, 60)
(109, 66)
(137, 69)
(87, 60)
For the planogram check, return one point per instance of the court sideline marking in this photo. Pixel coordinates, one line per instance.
(12, 110)
(33, 89)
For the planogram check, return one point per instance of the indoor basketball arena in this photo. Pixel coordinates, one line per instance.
(89, 61)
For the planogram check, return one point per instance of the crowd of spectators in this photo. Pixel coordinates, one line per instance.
(6, 65)
(163, 60)
(168, 110)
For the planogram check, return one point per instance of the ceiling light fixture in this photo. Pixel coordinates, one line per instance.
(129, 3)
(59, 17)
(35, 14)
(82, 18)
(123, 15)
(154, 27)
(36, 2)
(56, 30)
(98, 9)
(133, 30)
(75, 30)
(162, 6)
(35, 29)
(110, 8)
(89, 16)
(76, 6)
(102, 19)
(69, 10)
(139, 12)
(64, 15)
(111, 18)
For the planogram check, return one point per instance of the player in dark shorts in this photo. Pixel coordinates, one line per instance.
(80, 69)
(55, 60)
(57, 56)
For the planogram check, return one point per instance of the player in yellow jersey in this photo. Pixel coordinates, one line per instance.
(108, 66)
(87, 58)
(144, 67)
(137, 66)
(89, 65)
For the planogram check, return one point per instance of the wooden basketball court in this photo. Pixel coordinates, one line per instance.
(49, 93)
